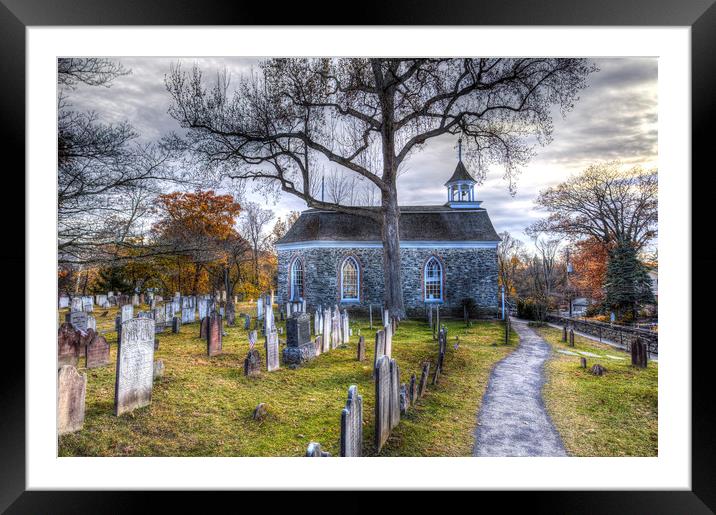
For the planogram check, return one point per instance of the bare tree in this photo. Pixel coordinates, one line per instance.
(284, 124)
(605, 202)
(252, 225)
(508, 259)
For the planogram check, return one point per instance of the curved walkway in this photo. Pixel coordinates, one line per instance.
(513, 420)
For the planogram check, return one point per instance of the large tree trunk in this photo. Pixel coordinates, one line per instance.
(391, 256)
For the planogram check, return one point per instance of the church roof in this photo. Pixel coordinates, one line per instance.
(417, 223)
(460, 174)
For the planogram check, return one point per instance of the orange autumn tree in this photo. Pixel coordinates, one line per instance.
(590, 267)
(194, 225)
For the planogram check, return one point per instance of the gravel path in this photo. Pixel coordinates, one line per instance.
(513, 420)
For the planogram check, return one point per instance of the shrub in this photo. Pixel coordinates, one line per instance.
(530, 309)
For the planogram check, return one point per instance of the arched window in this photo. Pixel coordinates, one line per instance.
(296, 280)
(433, 278)
(350, 279)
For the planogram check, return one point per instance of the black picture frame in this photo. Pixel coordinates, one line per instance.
(700, 15)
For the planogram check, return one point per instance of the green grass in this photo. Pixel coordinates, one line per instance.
(611, 415)
(203, 406)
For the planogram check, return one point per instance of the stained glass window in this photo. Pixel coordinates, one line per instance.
(349, 279)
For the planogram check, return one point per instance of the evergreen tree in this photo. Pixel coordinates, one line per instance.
(627, 282)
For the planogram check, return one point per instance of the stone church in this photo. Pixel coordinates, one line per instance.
(448, 253)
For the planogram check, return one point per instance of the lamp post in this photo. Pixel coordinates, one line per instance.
(569, 289)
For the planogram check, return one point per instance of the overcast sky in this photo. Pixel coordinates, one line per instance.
(615, 118)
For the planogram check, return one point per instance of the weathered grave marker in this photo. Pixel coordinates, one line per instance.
(97, 352)
(424, 379)
(68, 345)
(404, 402)
(388, 340)
(571, 337)
(326, 315)
(361, 349)
(564, 333)
(135, 366)
(176, 325)
(314, 451)
(583, 362)
(379, 347)
(413, 390)
(252, 363)
(214, 334)
(78, 320)
(382, 401)
(638, 353)
(394, 393)
(64, 302)
(71, 391)
(352, 424)
(158, 371)
(272, 351)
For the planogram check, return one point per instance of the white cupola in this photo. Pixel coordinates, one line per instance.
(461, 186)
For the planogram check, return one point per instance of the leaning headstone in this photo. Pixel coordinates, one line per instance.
(394, 393)
(97, 352)
(78, 320)
(272, 351)
(135, 366)
(352, 424)
(299, 347)
(424, 379)
(314, 451)
(214, 334)
(361, 349)
(382, 401)
(71, 391)
(68, 345)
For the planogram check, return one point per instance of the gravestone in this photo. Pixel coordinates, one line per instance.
(252, 363)
(352, 424)
(388, 340)
(379, 347)
(382, 401)
(158, 370)
(583, 362)
(87, 304)
(135, 300)
(404, 402)
(247, 322)
(260, 308)
(176, 325)
(345, 327)
(97, 352)
(203, 325)
(317, 322)
(260, 412)
(314, 451)
(318, 345)
(361, 349)
(127, 312)
(77, 319)
(272, 351)
(424, 379)
(203, 307)
(394, 393)
(638, 353)
(370, 315)
(135, 366)
(335, 328)
(299, 347)
(71, 391)
(187, 315)
(598, 370)
(413, 390)
(564, 333)
(159, 320)
(326, 332)
(68, 345)
(214, 334)
(64, 302)
(571, 337)
(76, 304)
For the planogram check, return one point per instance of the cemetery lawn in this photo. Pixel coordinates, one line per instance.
(203, 406)
(612, 415)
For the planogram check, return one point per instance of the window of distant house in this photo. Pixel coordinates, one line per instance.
(433, 280)
(297, 280)
(349, 280)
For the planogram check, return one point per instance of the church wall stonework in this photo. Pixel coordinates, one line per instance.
(467, 273)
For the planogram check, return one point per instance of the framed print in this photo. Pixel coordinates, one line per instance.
(268, 242)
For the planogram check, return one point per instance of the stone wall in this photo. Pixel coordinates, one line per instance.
(620, 334)
(467, 273)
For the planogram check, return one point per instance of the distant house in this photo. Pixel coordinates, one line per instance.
(448, 253)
